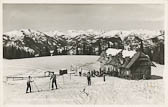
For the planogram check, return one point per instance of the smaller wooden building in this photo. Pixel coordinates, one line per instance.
(137, 67)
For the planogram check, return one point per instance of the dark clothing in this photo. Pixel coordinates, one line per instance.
(28, 85)
(80, 74)
(104, 77)
(89, 79)
(53, 77)
(54, 82)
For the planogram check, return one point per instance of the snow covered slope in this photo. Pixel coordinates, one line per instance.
(113, 91)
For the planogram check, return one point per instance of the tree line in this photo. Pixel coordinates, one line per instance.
(79, 45)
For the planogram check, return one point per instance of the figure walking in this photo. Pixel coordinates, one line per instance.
(89, 78)
(54, 81)
(28, 84)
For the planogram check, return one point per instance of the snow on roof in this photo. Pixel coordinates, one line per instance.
(127, 53)
(63, 69)
(112, 51)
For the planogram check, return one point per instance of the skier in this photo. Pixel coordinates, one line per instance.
(28, 84)
(89, 78)
(53, 78)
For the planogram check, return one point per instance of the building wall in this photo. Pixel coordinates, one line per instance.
(141, 72)
(110, 69)
(125, 73)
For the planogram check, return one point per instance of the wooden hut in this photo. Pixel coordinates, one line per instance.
(137, 67)
(112, 65)
(126, 64)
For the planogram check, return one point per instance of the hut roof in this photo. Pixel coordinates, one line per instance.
(127, 60)
(102, 56)
(138, 56)
(132, 61)
(113, 61)
(115, 56)
(123, 58)
(127, 53)
(112, 51)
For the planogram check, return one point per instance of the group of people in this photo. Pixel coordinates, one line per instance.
(53, 80)
(89, 75)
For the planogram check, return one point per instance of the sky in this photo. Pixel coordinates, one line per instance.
(63, 17)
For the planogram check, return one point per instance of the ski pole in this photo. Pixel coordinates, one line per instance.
(59, 86)
(36, 87)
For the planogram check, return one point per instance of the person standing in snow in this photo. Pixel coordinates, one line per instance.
(28, 84)
(104, 77)
(80, 72)
(53, 78)
(89, 78)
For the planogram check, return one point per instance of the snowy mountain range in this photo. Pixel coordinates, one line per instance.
(36, 42)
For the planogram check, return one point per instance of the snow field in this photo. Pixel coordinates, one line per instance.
(113, 91)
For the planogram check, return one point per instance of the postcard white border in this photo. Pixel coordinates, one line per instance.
(165, 2)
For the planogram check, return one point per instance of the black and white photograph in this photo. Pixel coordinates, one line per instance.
(83, 54)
